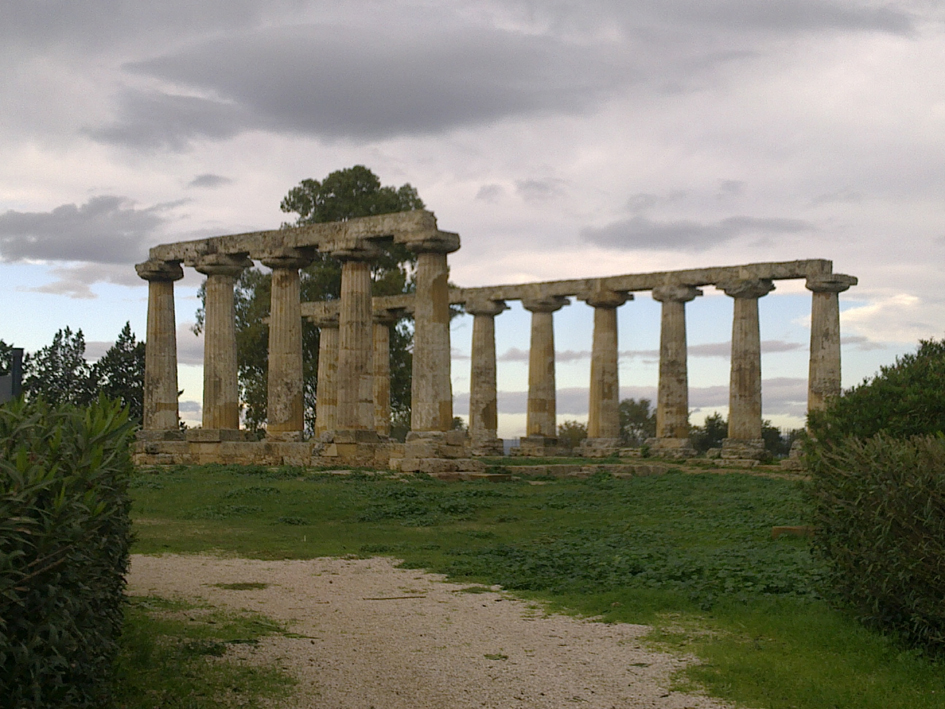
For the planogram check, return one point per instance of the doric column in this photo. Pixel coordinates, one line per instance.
(483, 404)
(432, 390)
(603, 420)
(383, 321)
(326, 393)
(355, 411)
(744, 408)
(160, 359)
(285, 411)
(541, 419)
(824, 380)
(672, 404)
(221, 402)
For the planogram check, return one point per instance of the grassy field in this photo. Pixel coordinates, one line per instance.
(690, 554)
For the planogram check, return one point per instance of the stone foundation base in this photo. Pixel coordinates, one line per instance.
(490, 446)
(435, 452)
(795, 459)
(743, 449)
(360, 448)
(540, 447)
(677, 448)
(599, 447)
(195, 452)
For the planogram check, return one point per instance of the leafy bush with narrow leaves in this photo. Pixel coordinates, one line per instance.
(64, 540)
(879, 509)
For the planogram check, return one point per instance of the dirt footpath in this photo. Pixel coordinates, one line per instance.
(378, 636)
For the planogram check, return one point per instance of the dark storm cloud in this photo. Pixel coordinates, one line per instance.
(640, 232)
(106, 229)
(338, 82)
(75, 281)
(209, 181)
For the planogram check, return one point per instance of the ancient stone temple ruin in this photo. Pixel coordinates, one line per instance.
(353, 396)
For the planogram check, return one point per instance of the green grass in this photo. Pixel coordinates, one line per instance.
(174, 654)
(691, 554)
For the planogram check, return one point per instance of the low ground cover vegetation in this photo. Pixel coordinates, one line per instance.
(690, 553)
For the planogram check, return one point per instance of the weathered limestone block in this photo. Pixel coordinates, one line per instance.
(160, 368)
(542, 410)
(824, 379)
(285, 406)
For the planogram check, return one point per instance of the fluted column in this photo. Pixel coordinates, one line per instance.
(286, 401)
(432, 390)
(383, 321)
(483, 403)
(744, 409)
(824, 380)
(160, 358)
(221, 403)
(672, 404)
(326, 393)
(542, 415)
(603, 421)
(355, 409)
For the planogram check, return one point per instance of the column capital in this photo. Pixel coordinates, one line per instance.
(748, 288)
(361, 250)
(288, 258)
(223, 264)
(675, 293)
(830, 283)
(388, 316)
(601, 298)
(484, 306)
(153, 270)
(323, 321)
(443, 242)
(545, 304)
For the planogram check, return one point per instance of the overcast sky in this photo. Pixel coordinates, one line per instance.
(559, 138)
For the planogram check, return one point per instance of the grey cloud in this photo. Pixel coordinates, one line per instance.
(539, 190)
(719, 349)
(490, 193)
(75, 281)
(359, 83)
(844, 196)
(189, 345)
(730, 188)
(209, 181)
(863, 344)
(190, 407)
(105, 229)
(640, 232)
(514, 354)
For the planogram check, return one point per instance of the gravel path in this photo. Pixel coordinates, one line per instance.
(388, 638)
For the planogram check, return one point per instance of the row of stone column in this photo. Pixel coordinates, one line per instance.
(354, 389)
(672, 412)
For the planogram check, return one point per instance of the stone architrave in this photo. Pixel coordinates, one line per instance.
(221, 404)
(672, 407)
(355, 407)
(744, 409)
(603, 421)
(383, 321)
(483, 402)
(326, 394)
(541, 420)
(160, 359)
(286, 401)
(432, 390)
(824, 379)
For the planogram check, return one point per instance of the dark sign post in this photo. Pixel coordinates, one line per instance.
(11, 385)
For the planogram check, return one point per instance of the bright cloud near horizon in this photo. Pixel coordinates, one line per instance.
(560, 139)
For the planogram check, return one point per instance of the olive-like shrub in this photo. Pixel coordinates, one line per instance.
(64, 542)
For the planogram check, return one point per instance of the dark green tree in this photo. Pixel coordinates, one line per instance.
(6, 358)
(571, 433)
(59, 372)
(637, 422)
(119, 374)
(710, 434)
(342, 195)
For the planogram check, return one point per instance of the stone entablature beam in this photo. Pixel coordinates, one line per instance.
(160, 359)
(823, 381)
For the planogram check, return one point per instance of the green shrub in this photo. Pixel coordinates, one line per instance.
(879, 509)
(64, 538)
(905, 399)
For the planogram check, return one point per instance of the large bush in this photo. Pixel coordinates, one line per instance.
(879, 508)
(64, 539)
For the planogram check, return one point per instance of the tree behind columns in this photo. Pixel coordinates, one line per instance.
(342, 195)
